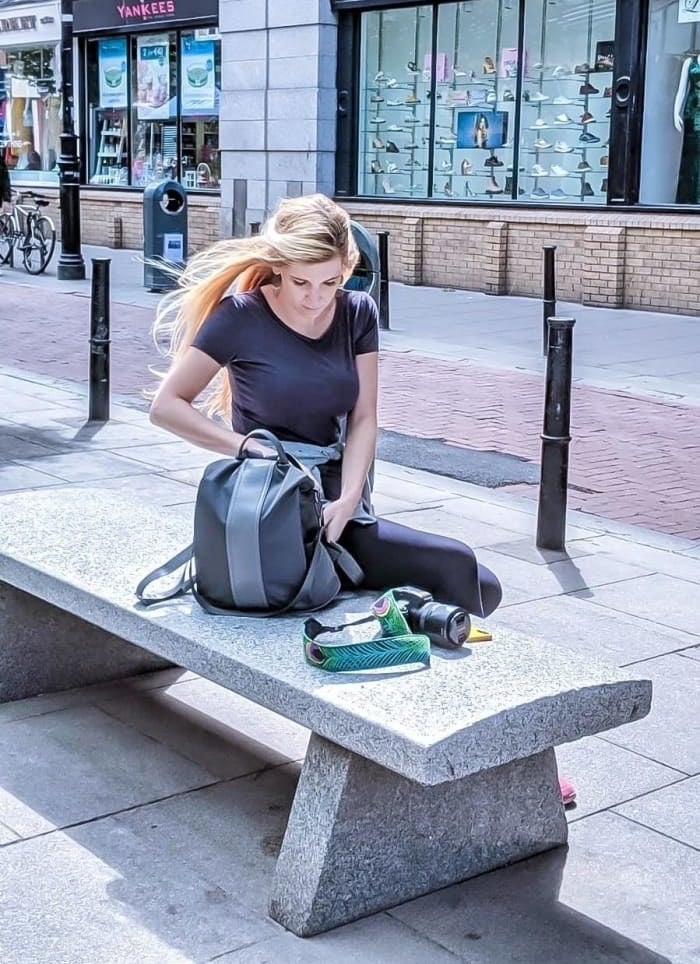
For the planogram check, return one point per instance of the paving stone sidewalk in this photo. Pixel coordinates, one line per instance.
(634, 458)
(140, 820)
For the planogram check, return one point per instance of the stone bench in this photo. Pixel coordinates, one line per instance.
(413, 780)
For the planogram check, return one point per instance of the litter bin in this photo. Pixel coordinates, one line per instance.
(365, 277)
(164, 233)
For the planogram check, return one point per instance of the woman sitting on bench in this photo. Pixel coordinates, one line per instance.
(298, 355)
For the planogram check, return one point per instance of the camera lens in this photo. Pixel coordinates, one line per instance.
(446, 626)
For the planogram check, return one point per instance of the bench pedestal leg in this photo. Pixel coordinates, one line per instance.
(361, 838)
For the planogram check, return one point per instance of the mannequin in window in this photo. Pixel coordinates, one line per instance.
(686, 118)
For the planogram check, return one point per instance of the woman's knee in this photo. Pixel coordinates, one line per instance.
(491, 590)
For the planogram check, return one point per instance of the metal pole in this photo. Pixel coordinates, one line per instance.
(71, 266)
(549, 307)
(554, 473)
(99, 341)
(383, 239)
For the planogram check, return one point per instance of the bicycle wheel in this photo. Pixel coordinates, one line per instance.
(45, 227)
(35, 252)
(6, 238)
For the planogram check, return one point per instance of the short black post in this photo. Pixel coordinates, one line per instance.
(383, 239)
(99, 342)
(554, 472)
(549, 307)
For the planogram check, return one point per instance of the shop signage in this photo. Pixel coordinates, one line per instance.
(12, 24)
(36, 23)
(89, 15)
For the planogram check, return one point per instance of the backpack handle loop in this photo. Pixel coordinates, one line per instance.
(262, 433)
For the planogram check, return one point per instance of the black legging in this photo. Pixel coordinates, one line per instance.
(392, 555)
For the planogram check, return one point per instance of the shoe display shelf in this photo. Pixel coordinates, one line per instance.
(558, 135)
(398, 118)
(467, 175)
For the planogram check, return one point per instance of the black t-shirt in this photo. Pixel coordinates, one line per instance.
(300, 388)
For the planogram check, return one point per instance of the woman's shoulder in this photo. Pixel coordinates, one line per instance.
(357, 304)
(361, 320)
(241, 301)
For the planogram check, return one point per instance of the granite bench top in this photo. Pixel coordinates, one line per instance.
(83, 550)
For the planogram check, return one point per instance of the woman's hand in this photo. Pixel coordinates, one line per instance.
(336, 516)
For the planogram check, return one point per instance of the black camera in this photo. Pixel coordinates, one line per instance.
(446, 626)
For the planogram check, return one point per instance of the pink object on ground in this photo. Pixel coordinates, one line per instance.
(568, 791)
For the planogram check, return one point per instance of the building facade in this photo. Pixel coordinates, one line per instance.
(474, 131)
(478, 131)
(30, 84)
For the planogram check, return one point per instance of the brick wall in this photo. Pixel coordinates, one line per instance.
(101, 210)
(616, 259)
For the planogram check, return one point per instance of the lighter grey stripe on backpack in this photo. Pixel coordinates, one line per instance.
(243, 539)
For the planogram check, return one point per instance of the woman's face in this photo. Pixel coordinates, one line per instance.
(310, 288)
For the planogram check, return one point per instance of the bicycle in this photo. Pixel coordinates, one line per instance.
(30, 231)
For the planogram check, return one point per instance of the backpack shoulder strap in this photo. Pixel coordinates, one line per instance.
(184, 584)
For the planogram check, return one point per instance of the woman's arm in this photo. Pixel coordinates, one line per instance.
(360, 444)
(173, 408)
(680, 95)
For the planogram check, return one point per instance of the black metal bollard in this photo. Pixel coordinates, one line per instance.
(383, 239)
(554, 472)
(71, 266)
(99, 342)
(549, 307)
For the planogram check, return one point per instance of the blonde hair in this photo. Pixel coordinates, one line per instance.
(309, 230)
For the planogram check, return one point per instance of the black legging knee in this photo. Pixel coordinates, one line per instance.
(391, 554)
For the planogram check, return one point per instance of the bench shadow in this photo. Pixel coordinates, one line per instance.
(192, 871)
(517, 914)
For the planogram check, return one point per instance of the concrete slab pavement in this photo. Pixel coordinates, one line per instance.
(139, 820)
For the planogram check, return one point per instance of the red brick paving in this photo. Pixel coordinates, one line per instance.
(632, 458)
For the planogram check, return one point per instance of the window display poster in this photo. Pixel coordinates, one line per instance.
(111, 65)
(153, 77)
(198, 76)
(688, 11)
(510, 60)
(486, 129)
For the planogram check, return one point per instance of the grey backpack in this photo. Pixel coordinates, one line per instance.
(259, 544)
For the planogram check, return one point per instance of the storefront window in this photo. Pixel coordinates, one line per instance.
(476, 72)
(394, 102)
(671, 124)
(30, 113)
(200, 84)
(566, 101)
(487, 121)
(153, 106)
